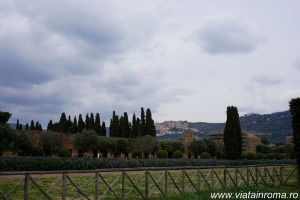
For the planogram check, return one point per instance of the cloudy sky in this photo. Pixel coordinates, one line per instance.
(185, 60)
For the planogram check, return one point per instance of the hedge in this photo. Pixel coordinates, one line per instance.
(49, 164)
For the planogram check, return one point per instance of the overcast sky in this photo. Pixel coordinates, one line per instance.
(185, 60)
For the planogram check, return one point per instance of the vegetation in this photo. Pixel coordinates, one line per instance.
(233, 134)
(56, 163)
(295, 112)
(162, 154)
(205, 155)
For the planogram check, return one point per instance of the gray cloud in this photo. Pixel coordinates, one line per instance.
(266, 80)
(228, 36)
(296, 64)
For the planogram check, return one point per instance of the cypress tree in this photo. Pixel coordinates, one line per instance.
(81, 124)
(50, 126)
(149, 126)
(18, 125)
(32, 125)
(103, 129)
(92, 122)
(70, 124)
(63, 123)
(139, 128)
(232, 134)
(143, 121)
(97, 125)
(26, 127)
(74, 126)
(114, 127)
(21, 126)
(295, 114)
(87, 122)
(125, 128)
(134, 126)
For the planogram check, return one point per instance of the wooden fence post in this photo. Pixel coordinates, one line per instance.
(212, 179)
(183, 171)
(64, 185)
(225, 178)
(26, 180)
(97, 185)
(166, 182)
(146, 184)
(198, 180)
(123, 184)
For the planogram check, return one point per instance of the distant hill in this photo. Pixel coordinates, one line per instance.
(275, 126)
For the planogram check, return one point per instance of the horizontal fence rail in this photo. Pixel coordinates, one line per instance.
(139, 183)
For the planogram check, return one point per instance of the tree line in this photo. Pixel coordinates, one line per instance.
(120, 126)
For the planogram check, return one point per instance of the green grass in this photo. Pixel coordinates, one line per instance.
(13, 187)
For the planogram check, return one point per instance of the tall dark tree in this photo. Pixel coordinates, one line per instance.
(143, 121)
(18, 124)
(32, 127)
(97, 125)
(103, 129)
(232, 134)
(114, 127)
(92, 122)
(74, 126)
(50, 126)
(139, 128)
(125, 129)
(295, 113)
(134, 130)
(81, 124)
(26, 127)
(21, 126)
(70, 125)
(63, 123)
(149, 126)
(87, 122)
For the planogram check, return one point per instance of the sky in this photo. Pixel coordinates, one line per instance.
(185, 60)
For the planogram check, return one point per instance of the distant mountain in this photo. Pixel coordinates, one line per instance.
(275, 127)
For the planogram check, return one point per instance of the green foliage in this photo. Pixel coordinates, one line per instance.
(81, 124)
(232, 134)
(149, 126)
(86, 141)
(137, 154)
(177, 154)
(162, 154)
(4, 117)
(197, 147)
(122, 147)
(171, 146)
(49, 163)
(289, 149)
(147, 144)
(250, 156)
(273, 156)
(63, 123)
(295, 112)
(278, 149)
(105, 144)
(50, 143)
(259, 156)
(262, 148)
(23, 145)
(63, 152)
(205, 155)
(7, 137)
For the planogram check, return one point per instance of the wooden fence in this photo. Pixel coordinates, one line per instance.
(141, 183)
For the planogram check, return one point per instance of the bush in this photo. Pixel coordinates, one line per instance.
(250, 156)
(162, 154)
(273, 156)
(259, 156)
(177, 154)
(205, 155)
(137, 154)
(63, 152)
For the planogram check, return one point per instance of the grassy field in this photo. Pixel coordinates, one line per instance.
(180, 184)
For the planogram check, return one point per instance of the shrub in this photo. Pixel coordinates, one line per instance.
(63, 152)
(162, 154)
(250, 156)
(177, 154)
(259, 156)
(205, 155)
(137, 154)
(273, 156)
